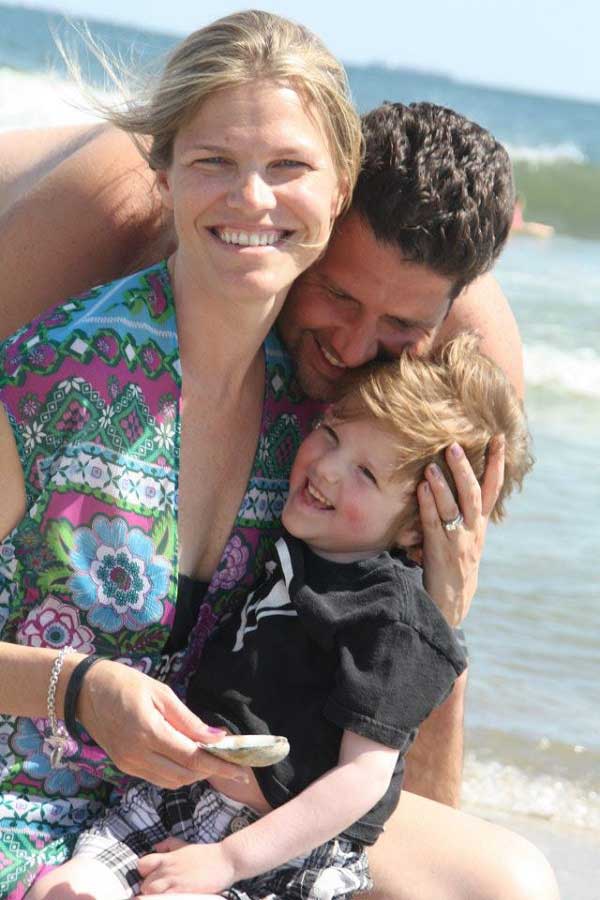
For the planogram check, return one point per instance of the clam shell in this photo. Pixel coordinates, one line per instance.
(250, 749)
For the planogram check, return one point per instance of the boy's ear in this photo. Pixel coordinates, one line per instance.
(409, 538)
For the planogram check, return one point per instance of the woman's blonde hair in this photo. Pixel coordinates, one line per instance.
(455, 395)
(236, 50)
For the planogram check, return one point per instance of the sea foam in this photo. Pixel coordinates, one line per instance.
(509, 789)
(547, 154)
(573, 372)
(30, 100)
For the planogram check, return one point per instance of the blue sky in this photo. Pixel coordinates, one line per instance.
(547, 46)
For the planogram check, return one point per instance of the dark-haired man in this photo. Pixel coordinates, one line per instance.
(430, 213)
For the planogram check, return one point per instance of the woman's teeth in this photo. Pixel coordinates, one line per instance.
(250, 238)
(318, 496)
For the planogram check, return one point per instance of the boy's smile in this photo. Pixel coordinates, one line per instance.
(344, 500)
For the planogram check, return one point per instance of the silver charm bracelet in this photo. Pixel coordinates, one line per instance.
(58, 738)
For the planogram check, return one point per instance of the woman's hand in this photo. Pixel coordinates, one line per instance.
(145, 729)
(451, 558)
(186, 869)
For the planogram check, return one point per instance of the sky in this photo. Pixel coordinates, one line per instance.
(543, 46)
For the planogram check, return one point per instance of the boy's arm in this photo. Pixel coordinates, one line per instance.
(321, 812)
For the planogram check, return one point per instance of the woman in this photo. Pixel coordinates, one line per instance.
(470, 857)
(256, 147)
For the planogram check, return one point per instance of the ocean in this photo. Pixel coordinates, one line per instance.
(533, 722)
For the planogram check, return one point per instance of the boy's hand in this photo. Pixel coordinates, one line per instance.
(179, 867)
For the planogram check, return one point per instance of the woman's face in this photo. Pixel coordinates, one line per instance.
(253, 189)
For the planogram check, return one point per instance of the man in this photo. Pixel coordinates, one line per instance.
(430, 214)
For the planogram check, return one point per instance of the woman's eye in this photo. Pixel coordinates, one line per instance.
(291, 164)
(329, 431)
(368, 474)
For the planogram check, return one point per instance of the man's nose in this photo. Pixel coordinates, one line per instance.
(355, 344)
(253, 191)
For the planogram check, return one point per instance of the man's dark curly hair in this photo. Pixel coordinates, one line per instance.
(437, 186)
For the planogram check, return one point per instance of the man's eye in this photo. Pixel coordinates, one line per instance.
(368, 474)
(211, 160)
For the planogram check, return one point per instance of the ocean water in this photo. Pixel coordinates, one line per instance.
(533, 723)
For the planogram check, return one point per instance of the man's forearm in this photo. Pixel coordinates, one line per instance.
(87, 213)
(434, 762)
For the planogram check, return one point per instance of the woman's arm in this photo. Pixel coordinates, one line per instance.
(318, 814)
(83, 212)
(139, 722)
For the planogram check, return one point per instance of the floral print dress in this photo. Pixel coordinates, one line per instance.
(92, 391)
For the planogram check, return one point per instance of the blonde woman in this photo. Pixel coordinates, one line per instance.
(145, 419)
(92, 217)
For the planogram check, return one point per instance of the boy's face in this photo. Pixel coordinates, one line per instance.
(343, 501)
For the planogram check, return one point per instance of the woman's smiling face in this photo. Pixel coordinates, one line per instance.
(253, 188)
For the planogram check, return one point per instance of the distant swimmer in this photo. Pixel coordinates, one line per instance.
(520, 226)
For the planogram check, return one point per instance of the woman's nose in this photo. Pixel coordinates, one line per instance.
(251, 190)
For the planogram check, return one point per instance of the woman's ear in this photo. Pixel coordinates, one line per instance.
(163, 183)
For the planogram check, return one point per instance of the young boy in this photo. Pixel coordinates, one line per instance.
(339, 649)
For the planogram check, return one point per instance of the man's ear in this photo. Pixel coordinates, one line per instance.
(163, 183)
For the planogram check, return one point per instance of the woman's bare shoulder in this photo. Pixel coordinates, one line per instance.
(78, 207)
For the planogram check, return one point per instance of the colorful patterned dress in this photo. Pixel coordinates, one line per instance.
(92, 390)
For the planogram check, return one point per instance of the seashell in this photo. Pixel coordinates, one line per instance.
(250, 749)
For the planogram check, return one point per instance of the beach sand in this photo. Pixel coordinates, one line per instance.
(573, 853)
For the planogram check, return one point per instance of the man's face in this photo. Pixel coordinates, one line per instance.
(360, 302)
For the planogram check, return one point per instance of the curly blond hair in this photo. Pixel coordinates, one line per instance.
(455, 395)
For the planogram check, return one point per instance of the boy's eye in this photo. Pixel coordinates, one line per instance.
(368, 474)
(329, 431)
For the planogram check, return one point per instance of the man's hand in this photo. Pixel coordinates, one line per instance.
(451, 558)
(145, 729)
(186, 868)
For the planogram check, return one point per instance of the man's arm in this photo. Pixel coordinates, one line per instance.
(434, 762)
(483, 308)
(83, 211)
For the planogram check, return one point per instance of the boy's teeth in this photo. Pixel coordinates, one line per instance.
(317, 495)
(250, 238)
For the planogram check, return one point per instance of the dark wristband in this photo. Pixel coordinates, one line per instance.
(73, 690)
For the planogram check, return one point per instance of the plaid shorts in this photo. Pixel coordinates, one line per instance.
(200, 815)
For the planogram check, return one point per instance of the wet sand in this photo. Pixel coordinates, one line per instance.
(573, 853)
